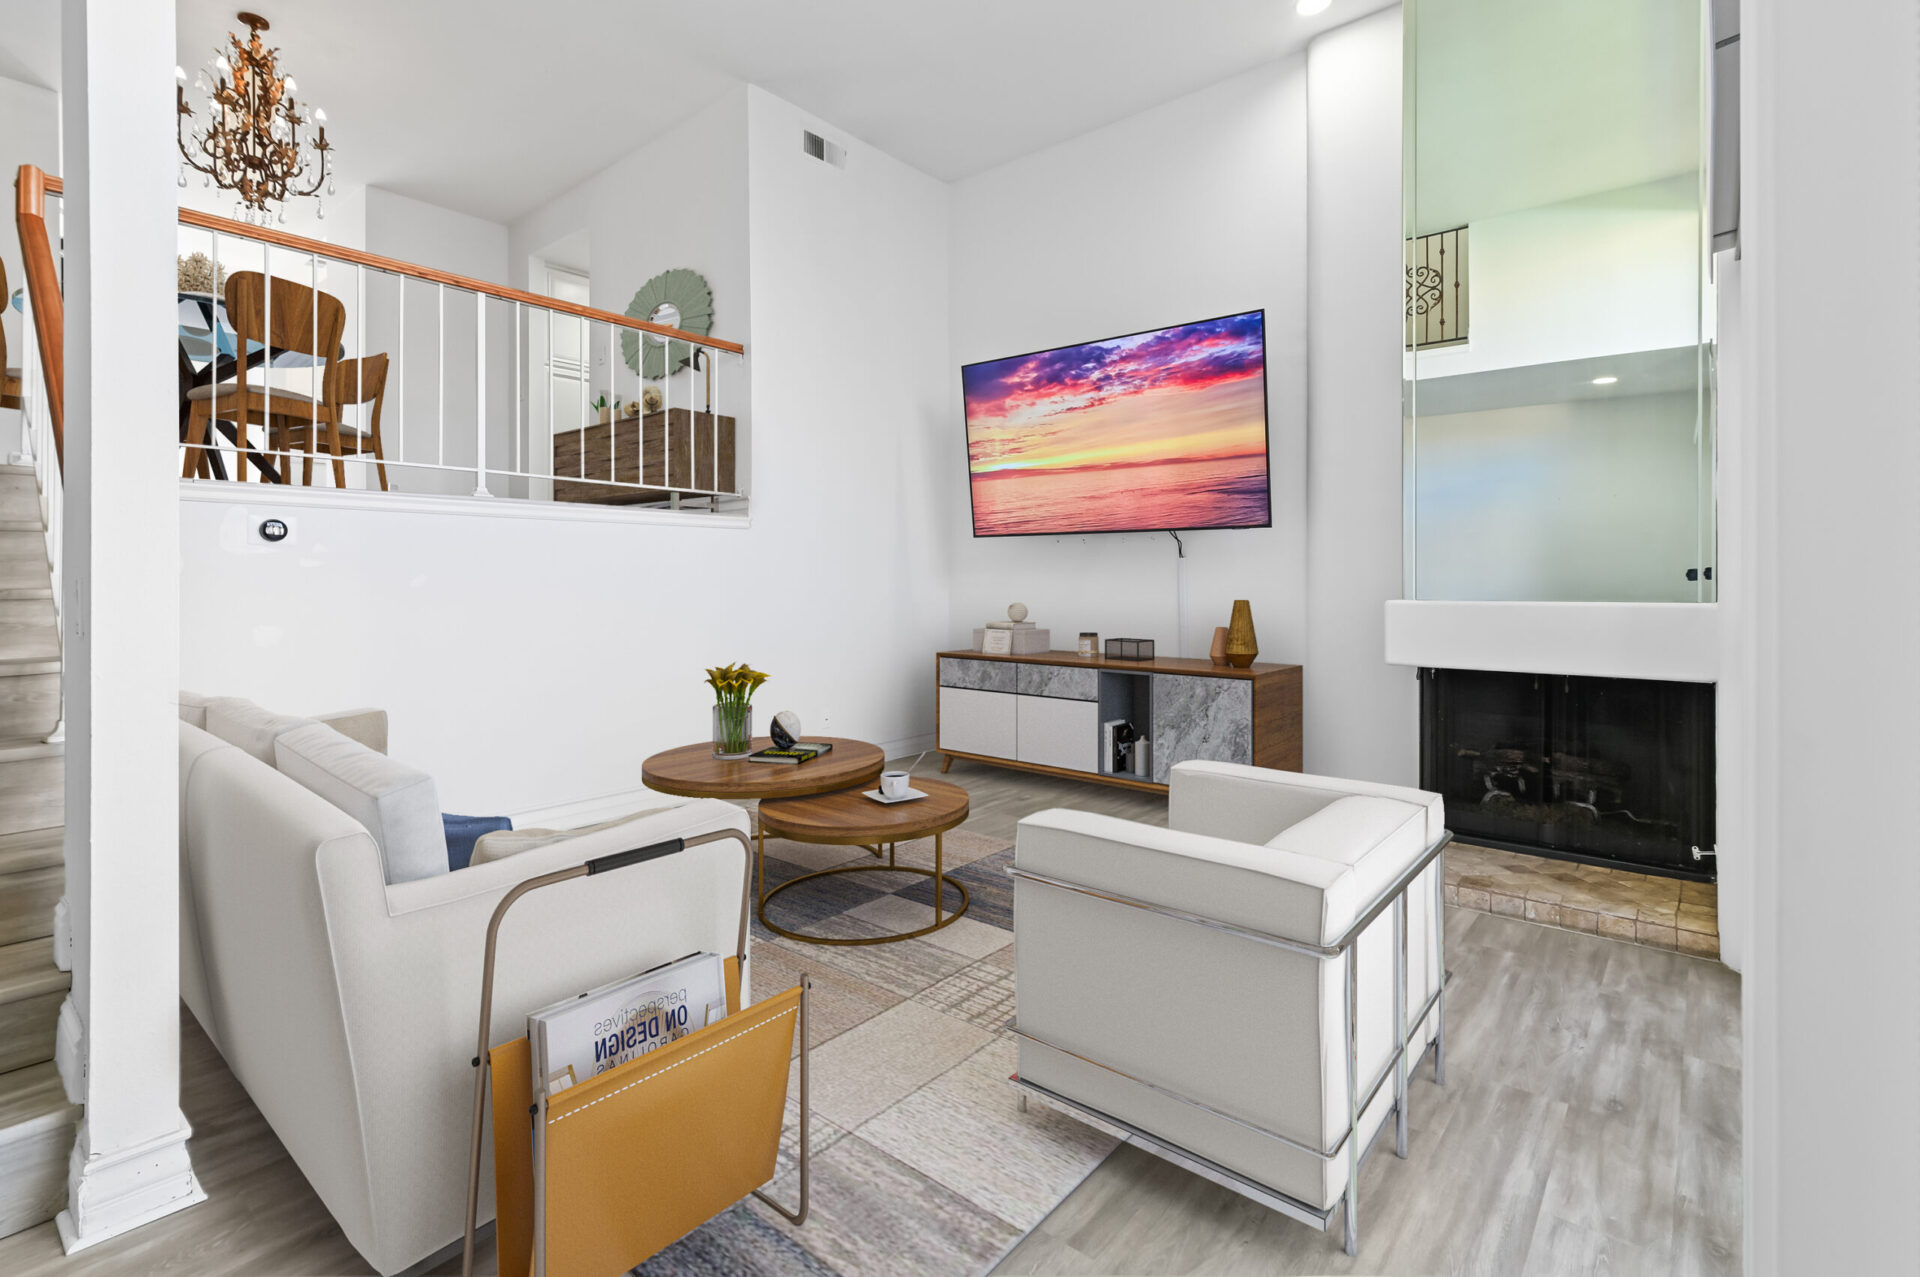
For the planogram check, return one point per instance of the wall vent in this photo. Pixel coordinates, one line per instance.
(821, 149)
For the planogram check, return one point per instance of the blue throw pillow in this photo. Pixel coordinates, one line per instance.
(464, 831)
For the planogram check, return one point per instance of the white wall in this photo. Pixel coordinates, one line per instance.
(1830, 122)
(679, 201)
(428, 235)
(1193, 209)
(1607, 273)
(1362, 714)
(602, 628)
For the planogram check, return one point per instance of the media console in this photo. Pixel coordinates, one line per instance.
(1044, 713)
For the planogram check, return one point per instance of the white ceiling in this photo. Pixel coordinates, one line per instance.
(493, 107)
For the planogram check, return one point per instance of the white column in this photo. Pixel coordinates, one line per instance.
(1830, 239)
(121, 1056)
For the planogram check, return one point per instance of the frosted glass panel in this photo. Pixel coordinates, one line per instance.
(1558, 395)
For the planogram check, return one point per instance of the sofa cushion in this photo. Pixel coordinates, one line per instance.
(238, 721)
(1379, 838)
(397, 804)
(511, 842)
(193, 709)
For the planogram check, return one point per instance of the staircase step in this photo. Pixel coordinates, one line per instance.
(31, 849)
(27, 901)
(32, 786)
(29, 705)
(23, 562)
(31, 991)
(28, 630)
(36, 1137)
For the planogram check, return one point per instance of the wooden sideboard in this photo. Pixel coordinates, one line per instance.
(1046, 712)
(675, 450)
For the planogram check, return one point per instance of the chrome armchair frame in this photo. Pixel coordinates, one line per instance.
(1397, 1066)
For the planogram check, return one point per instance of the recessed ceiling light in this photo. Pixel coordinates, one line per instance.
(1307, 8)
(1604, 381)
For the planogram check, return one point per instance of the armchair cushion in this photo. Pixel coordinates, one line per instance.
(397, 804)
(238, 721)
(1378, 837)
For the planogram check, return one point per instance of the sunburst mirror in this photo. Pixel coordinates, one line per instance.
(678, 298)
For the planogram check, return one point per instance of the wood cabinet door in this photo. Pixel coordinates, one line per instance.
(976, 722)
(1058, 733)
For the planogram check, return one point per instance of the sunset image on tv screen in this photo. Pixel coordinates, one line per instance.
(1162, 429)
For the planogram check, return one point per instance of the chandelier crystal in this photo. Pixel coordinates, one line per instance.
(253, 144)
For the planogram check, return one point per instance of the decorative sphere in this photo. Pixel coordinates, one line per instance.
(785, 729)
(1018, 612)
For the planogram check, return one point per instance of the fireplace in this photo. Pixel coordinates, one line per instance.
(1612, 771)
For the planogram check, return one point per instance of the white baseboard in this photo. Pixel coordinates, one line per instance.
(111, 1193)
(62, 935)
(908, 748)
(69, 1054)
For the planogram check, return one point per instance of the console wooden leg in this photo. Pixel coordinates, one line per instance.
(946, 761)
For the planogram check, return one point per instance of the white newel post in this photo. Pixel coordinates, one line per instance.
(120, 1053)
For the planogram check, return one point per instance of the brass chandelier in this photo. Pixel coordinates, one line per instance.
(252, 144)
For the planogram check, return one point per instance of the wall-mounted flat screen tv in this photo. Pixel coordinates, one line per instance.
(1157, 431)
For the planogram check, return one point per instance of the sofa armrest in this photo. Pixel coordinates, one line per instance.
(1253, 804)
(368, 726)
(1307, 899)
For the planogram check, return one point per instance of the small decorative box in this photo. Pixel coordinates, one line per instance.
(1129, 649)
(1024, 643)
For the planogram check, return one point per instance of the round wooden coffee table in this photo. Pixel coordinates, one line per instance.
(692, 771)
(849, 818)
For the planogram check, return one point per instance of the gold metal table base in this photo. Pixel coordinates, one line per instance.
(940, 883)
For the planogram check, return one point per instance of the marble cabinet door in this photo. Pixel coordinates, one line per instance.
(1195, 716)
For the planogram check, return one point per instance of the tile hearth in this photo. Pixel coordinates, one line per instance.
(1662, 913)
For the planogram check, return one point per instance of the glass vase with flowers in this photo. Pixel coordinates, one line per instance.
(733, 688)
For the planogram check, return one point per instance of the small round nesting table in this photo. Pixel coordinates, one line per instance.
(692, 771)
(849, 818)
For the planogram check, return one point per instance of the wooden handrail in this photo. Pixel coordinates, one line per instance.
(393, 265)
(359, 257)
(31, 187)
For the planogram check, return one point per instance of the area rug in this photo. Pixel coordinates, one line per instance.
(922, 1159)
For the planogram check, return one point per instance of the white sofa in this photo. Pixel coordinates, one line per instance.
(1189, 984)
(347, 1007)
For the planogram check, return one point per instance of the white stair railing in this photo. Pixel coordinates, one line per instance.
(38, 449)
(467, 406)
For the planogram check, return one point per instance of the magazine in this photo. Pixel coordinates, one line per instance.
(603, 1028)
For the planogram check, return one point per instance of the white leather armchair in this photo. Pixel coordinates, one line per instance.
(1224, 990)
(347, 1007)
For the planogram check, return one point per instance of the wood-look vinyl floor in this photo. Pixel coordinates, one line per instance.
(1590, 1124)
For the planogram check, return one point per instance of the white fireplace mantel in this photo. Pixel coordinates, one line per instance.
(1678, 642)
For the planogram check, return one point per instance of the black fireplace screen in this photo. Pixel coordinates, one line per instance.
(1606, 769)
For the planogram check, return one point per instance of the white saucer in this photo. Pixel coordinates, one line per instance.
(879, 797)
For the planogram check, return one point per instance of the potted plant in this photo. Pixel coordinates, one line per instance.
(733, 688)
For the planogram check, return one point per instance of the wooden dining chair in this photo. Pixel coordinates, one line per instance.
(304, 322)
(350, 383)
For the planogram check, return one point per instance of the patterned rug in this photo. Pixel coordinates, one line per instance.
(922, 1160)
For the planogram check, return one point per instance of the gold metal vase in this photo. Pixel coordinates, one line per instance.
(1242, 647)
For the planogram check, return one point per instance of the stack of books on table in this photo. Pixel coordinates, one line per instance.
(1016, 638)
(802, 751)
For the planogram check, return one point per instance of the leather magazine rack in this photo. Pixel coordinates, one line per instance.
(637, 1157)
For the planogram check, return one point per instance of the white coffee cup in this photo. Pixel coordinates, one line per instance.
(893, 784)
